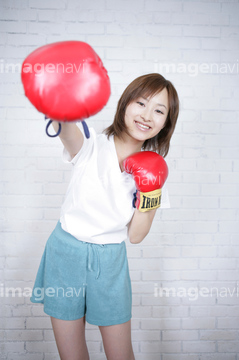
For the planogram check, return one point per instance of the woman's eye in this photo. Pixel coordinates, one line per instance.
(140, 103)
(159, 112)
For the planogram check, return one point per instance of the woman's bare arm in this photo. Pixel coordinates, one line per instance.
(140, 225)
(71, 136)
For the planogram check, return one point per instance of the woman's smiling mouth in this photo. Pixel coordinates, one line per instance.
(142, 126)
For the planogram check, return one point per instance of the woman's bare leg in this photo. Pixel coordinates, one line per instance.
(70, 339)
(117, 341)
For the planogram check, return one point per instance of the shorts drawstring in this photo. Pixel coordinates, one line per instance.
(90, 261)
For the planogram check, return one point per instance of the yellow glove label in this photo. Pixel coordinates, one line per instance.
(150, 200)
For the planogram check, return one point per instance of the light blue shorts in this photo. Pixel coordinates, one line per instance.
(77, 279)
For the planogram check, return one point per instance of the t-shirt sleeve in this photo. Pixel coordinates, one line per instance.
(84, 151)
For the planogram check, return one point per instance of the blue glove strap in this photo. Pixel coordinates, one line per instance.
(86, 129)
(48, 124)
(134, 199)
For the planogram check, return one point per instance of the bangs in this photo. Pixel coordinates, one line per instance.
(148, 88)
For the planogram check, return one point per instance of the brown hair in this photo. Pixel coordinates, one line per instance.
(147, 86)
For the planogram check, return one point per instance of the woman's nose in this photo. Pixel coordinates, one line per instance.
(146, 114)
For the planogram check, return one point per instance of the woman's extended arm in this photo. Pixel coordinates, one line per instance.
(71, 136)
(140, 225)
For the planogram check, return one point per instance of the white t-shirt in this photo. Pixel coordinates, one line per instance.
(98, 202)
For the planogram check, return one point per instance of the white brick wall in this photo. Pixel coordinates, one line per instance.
(192, 251)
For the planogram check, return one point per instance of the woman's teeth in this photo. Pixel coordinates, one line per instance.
(145, 127)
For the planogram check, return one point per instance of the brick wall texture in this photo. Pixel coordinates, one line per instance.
(185, 273)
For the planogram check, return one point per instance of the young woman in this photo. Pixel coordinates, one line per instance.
(84, 272)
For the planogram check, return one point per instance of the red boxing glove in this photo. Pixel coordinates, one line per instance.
(150, 172)
(66, 80)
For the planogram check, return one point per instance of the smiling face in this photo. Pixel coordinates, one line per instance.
(145, 117)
